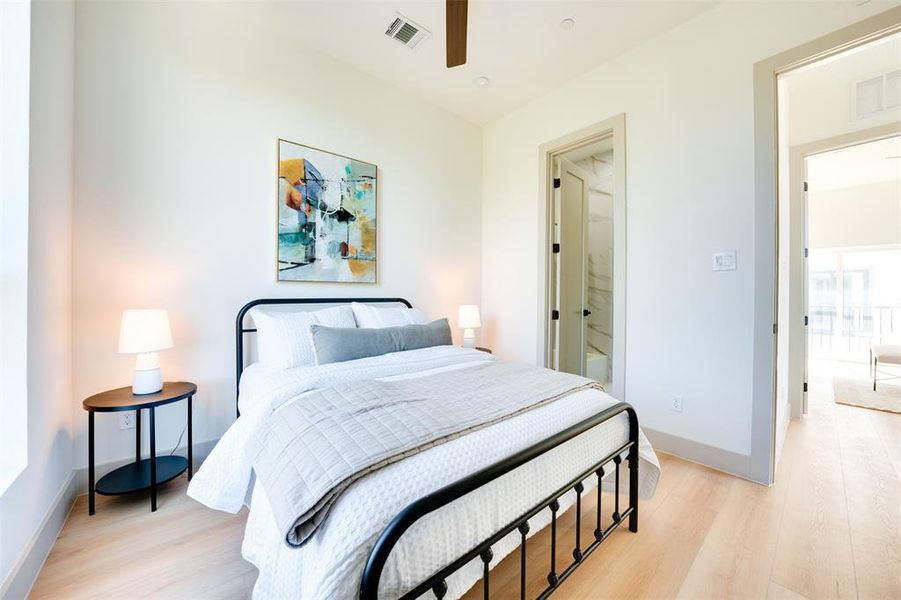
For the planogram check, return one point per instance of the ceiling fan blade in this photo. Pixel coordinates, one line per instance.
(455, 23)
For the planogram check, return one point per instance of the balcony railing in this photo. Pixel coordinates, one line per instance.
(854, 330)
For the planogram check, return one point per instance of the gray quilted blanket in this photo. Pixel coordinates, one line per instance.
(317, 445)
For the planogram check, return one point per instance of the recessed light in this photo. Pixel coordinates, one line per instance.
(567, 23)
(482, 81)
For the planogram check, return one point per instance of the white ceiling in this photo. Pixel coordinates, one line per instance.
(872, 162)
(518, 45)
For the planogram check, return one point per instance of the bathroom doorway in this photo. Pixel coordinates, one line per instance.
(585, 259)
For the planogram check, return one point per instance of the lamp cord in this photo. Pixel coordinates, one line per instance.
(178, 443)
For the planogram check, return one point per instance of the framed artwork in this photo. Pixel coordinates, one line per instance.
(326, 216)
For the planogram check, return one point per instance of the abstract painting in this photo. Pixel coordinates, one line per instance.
(326, 216)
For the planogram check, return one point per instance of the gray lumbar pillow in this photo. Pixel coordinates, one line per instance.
(339, 344)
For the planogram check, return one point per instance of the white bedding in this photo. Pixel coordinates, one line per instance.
(331, 563)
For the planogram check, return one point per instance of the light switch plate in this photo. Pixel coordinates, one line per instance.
(725, 261)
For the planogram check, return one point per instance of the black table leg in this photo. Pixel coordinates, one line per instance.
(190, 440)
(152, 459)
(91, 462)
(138, 435)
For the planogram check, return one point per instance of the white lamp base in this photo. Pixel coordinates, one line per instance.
(469, 338)
(148, 377)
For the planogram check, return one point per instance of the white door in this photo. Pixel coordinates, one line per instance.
(571, 198)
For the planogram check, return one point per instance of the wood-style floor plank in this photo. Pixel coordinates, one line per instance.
(736, 558)
(777, 592)
(888, 426)
(183, 550)
(828, 528)
(813, 553)
(872, 490)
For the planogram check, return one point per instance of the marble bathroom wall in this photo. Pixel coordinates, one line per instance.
(600, 253)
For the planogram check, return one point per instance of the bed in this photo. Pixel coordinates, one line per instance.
(437, 521)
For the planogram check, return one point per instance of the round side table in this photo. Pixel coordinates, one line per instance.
(143, 473)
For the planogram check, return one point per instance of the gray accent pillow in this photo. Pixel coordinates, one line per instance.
(339, 344)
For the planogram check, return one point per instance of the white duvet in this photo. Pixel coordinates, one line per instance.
(330, 565)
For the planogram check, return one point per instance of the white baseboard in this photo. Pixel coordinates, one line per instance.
(727, 461)
(201, 451)
(25, 571)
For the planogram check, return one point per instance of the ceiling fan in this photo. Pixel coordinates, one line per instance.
(455, 24)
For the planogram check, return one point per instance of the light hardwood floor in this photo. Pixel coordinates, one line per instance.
(829, 528)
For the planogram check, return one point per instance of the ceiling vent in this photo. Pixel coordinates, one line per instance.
(407, 32)
(876, 95)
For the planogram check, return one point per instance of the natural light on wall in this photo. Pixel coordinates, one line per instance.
(14, 85)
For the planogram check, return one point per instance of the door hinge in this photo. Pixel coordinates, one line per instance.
(555, 248)
(805, 321)
(805, 387)
(555, 315)
(556, 182)
(775, 329)
(805, 186)
(806, 252)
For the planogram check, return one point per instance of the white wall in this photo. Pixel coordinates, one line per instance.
(178, 107)
(864, 215)
(688, 100)
(822, 93)
(25, 504)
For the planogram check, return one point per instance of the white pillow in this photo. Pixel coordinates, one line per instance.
(283, 338)
(375, 318)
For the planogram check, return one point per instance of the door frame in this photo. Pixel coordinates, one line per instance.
(798, 222)
(766, 221)
(614, 127)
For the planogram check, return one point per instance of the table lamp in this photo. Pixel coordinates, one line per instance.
(144, 332)
(468, 320)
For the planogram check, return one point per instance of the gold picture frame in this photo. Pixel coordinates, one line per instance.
(327, 216)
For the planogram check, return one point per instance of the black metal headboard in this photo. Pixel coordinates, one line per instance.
(240, 329)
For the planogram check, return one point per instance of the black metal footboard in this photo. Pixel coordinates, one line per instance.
(422, 507)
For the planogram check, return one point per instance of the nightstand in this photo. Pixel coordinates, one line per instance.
(142, 474)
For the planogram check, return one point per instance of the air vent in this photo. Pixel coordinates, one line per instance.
(407, 32)
(876, 95)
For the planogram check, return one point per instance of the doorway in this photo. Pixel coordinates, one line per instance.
(839, 228)
(583, 253)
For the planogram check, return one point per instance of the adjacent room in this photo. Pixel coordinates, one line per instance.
(854, 302)
(450, 299)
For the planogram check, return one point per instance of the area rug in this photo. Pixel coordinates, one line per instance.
(858, 392)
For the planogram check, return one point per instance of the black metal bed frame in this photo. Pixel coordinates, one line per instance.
(417, 510)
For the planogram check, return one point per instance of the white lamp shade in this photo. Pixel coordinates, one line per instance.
(144, 330)
(468, 317)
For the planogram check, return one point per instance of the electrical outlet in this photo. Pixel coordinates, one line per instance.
(676, 404)
(127, 420)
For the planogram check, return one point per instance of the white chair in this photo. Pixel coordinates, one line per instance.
(884, 353)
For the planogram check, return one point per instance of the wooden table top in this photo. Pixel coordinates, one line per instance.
(123, 399)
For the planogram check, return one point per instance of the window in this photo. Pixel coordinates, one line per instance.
(854, 299)
(822, 302)
(15, 29)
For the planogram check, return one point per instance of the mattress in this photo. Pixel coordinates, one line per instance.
(330, 565)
